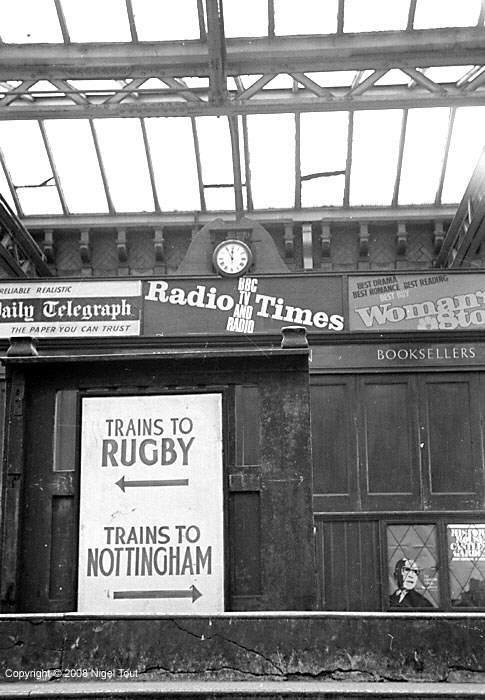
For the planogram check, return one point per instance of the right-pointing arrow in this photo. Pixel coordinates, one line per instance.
(192, 592)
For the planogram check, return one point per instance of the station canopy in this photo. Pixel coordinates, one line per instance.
(150, 106)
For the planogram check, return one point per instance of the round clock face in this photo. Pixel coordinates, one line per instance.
(232, 258)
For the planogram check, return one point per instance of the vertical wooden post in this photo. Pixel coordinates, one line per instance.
(13, 462)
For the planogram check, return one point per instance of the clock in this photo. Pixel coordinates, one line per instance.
(232, 258)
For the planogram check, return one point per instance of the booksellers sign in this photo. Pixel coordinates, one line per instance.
(417, 302)
(151, 508)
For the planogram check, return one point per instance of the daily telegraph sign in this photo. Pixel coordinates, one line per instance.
(151, 504)
(70, 309)
(408, 302)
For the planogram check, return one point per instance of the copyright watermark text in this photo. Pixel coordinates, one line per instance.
(47, 674)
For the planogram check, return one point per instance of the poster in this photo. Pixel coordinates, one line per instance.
(417, 302)
(70, 309)
(466, 554)
(151, 508)
(412, 556)
(242, 306)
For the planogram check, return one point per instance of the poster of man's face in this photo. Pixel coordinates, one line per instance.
(412, 566)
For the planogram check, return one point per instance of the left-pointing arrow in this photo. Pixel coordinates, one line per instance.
(124, 484)
(192, 592)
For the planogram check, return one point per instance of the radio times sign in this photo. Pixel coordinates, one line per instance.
(151, 510)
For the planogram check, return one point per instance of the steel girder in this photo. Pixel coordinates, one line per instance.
(298, 57)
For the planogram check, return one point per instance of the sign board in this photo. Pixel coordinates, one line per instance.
(243, 306)
(397, 355)
(70, 309)
(151, 509)
(417, 302)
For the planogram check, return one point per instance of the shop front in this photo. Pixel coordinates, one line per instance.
(201, 446)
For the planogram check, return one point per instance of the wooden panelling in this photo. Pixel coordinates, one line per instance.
(248, 425)
(348, 565)
(451, 440)
(334, 443)
(388, 439)
(245, 555)
(419, 440)
(63, 535)
(449, 419)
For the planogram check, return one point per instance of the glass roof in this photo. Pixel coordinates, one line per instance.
(28, 21)
(336, 158)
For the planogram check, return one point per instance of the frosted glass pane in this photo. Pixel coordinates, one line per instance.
(248, 18)
(467, 142)
(124, 159)
(423, 155)
(215, 150)
(323, 192)
(39, 200)
(5, 190)
(333, 78)
(220, 199)
(446, 13)
(272, 159)
(29, 21)
(165, 21)
(92, 20)
(375, 15)
(75, 159)
(323, 141)
(374, 158)
(172, 149)
(24, 151)
(305, 17)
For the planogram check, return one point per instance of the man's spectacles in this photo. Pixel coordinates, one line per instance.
(408, 569)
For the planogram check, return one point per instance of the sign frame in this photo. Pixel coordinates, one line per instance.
(193, 391)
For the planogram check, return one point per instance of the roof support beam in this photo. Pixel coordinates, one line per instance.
(423, 48)
(253, 101)
(326, 214)
(217, 54)
(21, 239)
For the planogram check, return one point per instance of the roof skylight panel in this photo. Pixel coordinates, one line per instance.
(446, 74)
(446, 13)
(124, 159)
(216, 162)
(375, 15)
(335, 78)
(323, 153)
(424, 149)
(248, 18)
(166, 21)
(374, 156)
(92, 20)
(29, 21)
(173, 156)
(305, 17)
(466, 145)
(5, 190)
(28, 165)
(272, 159)
(74, 155)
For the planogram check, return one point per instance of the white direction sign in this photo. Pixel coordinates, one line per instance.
(151, 511)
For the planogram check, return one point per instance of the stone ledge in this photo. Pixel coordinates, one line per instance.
(232, 689)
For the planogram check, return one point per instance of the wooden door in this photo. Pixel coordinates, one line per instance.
(48, 552)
